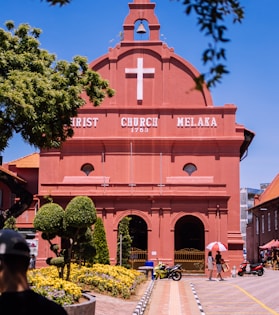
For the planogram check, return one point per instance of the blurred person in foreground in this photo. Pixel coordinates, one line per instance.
(16, 297)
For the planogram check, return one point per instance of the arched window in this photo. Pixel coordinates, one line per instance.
(189, 168)
(87, 168)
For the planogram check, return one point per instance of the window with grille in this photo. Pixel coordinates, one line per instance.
(189, 168)
(87, 168)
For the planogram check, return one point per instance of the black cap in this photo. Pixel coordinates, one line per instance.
(13, 243)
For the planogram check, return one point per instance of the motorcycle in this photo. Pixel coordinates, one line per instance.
(161, 271)
(247, 268)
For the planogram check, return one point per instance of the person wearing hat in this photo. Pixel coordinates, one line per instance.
(16, 296)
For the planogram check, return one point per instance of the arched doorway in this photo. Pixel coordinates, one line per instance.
(189, 244)
(138, 233)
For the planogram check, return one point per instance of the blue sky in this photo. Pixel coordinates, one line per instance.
(88, 28)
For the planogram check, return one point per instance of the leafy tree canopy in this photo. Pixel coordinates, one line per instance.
(80, 213)
(73, 225)
(100, 242)
(60, 2)
(211, 18)
(39, 94)
(124, 242)
(49, 219)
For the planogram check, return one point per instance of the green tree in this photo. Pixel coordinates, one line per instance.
(124, 243)
(100, 243)
(85, 250)
(71, 225)
(39, 94)
(80, 214)
(10, 223)
(49, 221)
(211, 18)
(60, 2)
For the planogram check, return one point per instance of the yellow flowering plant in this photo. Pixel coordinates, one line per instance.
(114, 280)
(45, 282)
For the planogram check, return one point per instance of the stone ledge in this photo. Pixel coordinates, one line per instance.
(85, 308)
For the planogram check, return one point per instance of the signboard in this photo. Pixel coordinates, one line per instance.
(33, 245)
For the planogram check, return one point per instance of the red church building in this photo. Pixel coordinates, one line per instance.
(158, 151)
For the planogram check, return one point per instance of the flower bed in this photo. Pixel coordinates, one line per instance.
(45, 281)
(113, 280)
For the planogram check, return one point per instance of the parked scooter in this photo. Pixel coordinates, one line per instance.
(247, 268)
(161, 271)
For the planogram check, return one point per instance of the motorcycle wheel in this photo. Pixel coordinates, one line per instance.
(240, 274)
(260, 273)
(176, 275)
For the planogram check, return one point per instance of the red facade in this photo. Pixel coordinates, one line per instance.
(159, 151)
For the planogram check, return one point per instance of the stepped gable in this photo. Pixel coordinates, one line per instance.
(162, 71)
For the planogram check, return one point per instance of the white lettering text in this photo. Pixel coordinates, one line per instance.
(199, 122)
(140, 122)
(84, 122)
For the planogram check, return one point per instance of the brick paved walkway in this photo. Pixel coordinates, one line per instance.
(248, 295)
(172, 298)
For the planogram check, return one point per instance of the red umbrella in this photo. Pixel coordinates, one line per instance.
(270, 244)
(217, 246)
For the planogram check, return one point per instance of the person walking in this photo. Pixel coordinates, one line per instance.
(16, 296)
(218, 260)
(210, 264)
(32, 264)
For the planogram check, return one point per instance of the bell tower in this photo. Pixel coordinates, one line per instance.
(143, 11)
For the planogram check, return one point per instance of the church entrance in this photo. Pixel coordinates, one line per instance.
(189, 244)
(138, 233)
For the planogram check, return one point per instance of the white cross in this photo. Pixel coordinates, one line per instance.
(140, 71)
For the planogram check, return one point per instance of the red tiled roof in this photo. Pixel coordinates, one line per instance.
(12, 174)
(271, 192)
(29, 161)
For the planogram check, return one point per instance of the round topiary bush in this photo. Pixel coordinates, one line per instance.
(80, 212)
(49, 219)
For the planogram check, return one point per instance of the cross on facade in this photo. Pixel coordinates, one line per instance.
(140, 71)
